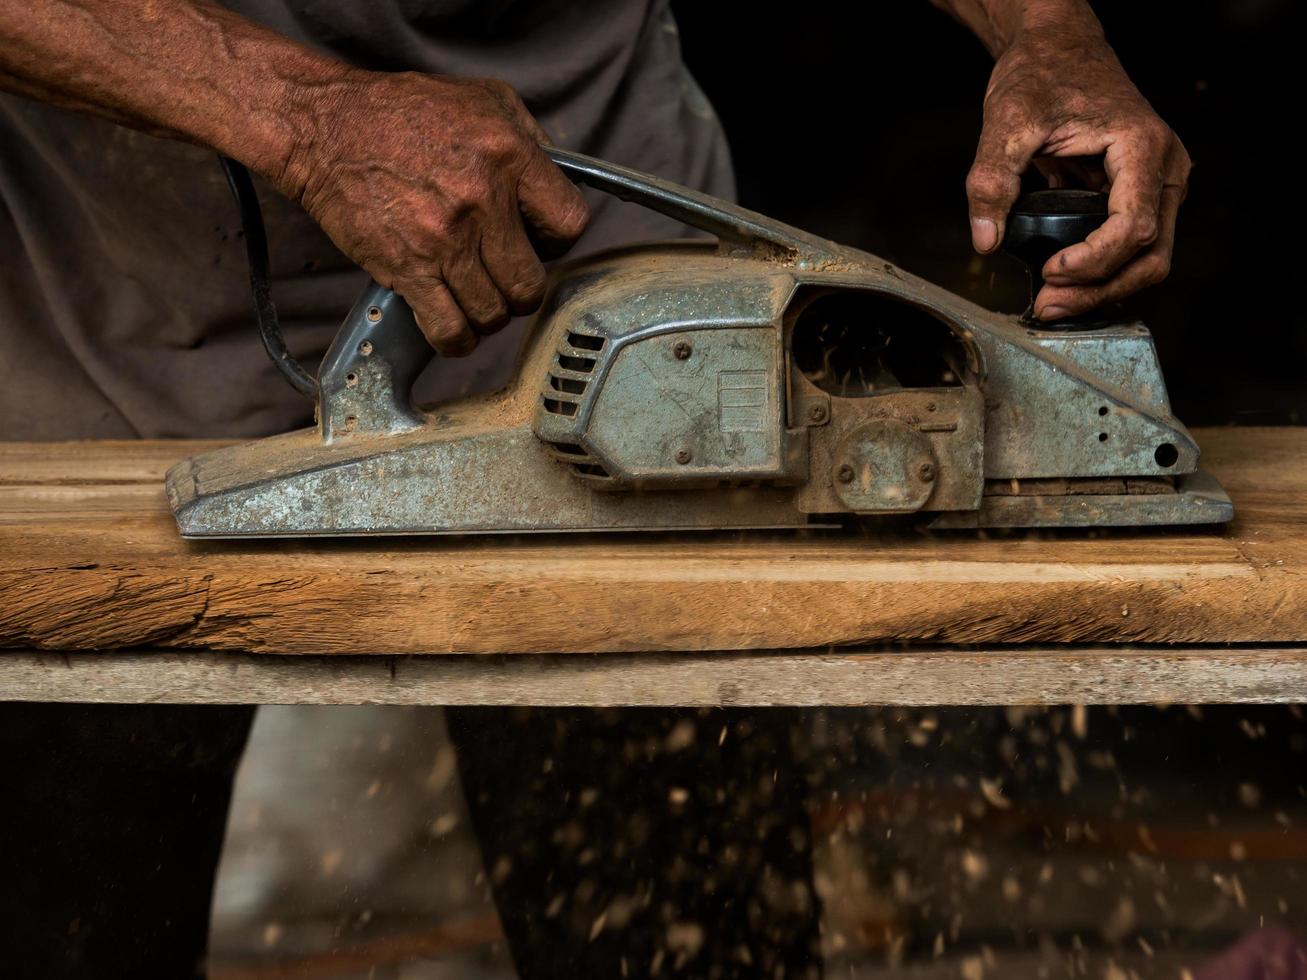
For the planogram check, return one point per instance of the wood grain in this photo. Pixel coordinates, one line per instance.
(804, 679)
(90, 559)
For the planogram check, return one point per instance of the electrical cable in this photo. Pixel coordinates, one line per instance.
(256, 251)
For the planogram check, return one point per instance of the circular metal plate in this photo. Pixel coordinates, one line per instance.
(884, 467)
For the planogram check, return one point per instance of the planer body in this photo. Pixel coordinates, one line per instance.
(767, 379)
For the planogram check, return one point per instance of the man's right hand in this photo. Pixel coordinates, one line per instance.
(437, 186)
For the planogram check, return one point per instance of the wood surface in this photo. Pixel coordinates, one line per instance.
(90, 559)
(1056, 675)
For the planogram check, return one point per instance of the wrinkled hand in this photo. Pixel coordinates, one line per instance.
(430, 183)
(1061, 99)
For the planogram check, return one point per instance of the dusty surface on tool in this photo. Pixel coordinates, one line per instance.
(769, 379)
(90, 558)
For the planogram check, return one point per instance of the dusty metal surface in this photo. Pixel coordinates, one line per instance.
(884, 467)
(1197, 498)
(765, 382)
(469, 480)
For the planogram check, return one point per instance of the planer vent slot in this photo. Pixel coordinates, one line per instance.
(583, 341)
(569, 449)
(582, 463)
(582, 365)
(559, 407)
(570, 385)
(568, 381)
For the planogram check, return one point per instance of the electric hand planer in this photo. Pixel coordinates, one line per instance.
(769, 379)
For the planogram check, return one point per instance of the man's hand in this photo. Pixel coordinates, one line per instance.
(1059, 98)
(429, 183)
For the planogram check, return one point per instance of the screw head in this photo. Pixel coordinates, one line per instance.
(682, 350)
(365, 347)
(683, 456)
(817, 413)
(927, 472)
(845, 473)
(374, 313)
(930, 406)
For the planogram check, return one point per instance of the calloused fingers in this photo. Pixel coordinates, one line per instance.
(513, 265)
(1008, 142)
(552, 204)
(439, 317)
(475, 292)
(1138, 172)
(1147, 268)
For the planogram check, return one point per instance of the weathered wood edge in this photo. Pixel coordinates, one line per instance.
(111, 575)
(1101, 675)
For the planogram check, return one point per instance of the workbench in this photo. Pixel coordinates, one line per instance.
(101, 600)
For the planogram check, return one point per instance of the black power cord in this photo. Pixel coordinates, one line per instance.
(256, 250)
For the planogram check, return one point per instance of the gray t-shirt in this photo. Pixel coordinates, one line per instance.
(124, 299)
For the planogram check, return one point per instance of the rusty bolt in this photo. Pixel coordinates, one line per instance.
(817, 413)
(351, 380)
(683, 455)
(682, 350)
(930, 406)
(845, 473)
(374, 313)
(365, 347)
(927, 472)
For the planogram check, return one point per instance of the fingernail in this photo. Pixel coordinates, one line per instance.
(984, 234)
(1053, 313)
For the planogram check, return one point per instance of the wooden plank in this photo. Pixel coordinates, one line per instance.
(87, 563)
(810, 678)
(101, 463)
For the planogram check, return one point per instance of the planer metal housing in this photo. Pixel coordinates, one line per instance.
(769, 379)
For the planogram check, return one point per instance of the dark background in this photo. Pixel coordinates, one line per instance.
(858, 121)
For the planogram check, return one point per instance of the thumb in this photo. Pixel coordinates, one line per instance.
(994, 182)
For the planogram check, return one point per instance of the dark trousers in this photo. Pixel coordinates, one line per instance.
(644, 842)
(111, 824)
(622, 843)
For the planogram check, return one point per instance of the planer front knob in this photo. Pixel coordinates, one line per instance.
(1042, 223)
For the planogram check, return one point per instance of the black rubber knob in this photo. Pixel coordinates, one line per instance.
(1042, 223)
